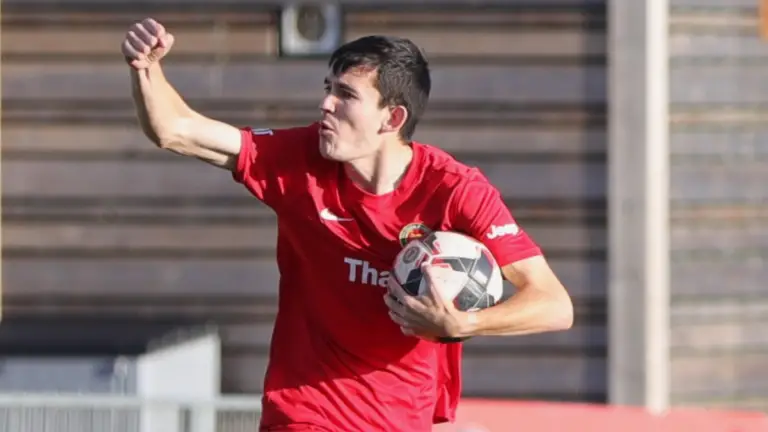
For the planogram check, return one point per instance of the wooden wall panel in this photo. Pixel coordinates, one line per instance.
(583, 337)
(718, 84)
(735, 5)
(753, 234)
(99, 224)
(120, 141)
(90, 237)
(718, 375)
(733, 278)
(540, 180)
(97, 41)
(566, 372)
(726, 143)
(176, 273)
(546, 377)
(254, 39)
(719, 182)
(718, 193)
(481, 43)
(301, 81)
(719, 336)
(368, 4)
(718, 196)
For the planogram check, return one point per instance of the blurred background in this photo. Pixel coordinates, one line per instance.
(129, 274)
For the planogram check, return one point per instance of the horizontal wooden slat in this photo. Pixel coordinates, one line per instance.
(78, 4)
(90, 237)
(522, 18)
(704, 310)
(745, 334)
(205, 210)
(497, 376)
(719, 83)
(148, 278)
(239, 210)
(116, 179)
(222, 41)
(502, 376)
(698, 22)
(714, 4)
(580, 340)
(722, 118)
(127, 141)
(510, 41)
(726, 46)
(262, 40)
(718, 278)
(713, 376)
(152, 278)
(189, 178)
(52, 336)
(198, 311)
(700, 183)
(302, 80)
(277, 114)
(95, 237)
(115, 17)
(724, 236)
(395, 18)
(723, 142)
(728, 215)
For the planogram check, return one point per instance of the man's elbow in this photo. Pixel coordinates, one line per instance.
(561, 316)
(173, 135)
(161, 135)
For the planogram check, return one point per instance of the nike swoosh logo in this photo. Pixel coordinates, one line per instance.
(327, 215)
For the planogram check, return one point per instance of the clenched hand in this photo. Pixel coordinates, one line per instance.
(146, 42)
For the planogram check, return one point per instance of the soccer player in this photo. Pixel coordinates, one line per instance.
(350, 351)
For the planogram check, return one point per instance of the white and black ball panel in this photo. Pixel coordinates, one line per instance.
(407, 267)
(488, 274)
(471, 277)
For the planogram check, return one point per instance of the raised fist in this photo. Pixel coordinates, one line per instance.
(146, 43)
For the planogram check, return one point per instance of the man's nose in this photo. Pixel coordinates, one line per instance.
(328, 103)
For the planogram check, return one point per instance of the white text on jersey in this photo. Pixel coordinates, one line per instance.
(498, 231)
(361, 271)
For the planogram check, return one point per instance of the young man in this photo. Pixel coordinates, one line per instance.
(350, 350)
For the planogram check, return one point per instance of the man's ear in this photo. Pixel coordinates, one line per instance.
(398, 115)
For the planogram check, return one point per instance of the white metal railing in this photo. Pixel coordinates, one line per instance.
(109, 413)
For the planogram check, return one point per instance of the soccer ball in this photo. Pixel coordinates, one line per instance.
(472, 278)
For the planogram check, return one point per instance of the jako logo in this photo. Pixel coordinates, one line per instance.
(362, 272)
(498, 231)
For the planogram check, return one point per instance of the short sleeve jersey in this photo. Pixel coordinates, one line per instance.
(337, 361)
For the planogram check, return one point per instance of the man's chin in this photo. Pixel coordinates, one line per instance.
(326, 149)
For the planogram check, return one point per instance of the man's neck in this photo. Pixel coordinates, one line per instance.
(381, 173)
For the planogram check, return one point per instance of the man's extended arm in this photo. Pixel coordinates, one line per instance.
(164, 116)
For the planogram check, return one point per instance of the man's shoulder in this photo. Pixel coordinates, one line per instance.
(295, 142)
(439, 164)
(295, 134)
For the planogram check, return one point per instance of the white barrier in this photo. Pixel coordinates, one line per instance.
(108, 413)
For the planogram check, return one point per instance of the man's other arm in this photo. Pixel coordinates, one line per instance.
(164, 116)
(541, 303)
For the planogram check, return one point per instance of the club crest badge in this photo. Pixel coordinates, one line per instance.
(413, 231)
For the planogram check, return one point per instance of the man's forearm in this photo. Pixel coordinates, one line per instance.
(529, 311)
(159, 107)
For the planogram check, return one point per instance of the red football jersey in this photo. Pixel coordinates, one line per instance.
(337, 361)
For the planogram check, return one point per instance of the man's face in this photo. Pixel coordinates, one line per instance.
(353, 120)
